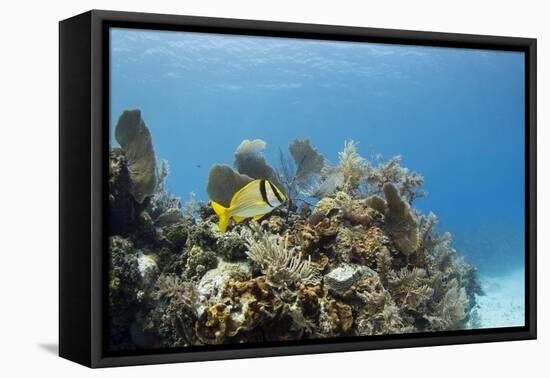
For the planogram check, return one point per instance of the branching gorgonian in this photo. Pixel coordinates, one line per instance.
(283, 266)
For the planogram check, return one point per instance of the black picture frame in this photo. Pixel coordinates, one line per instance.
(83, 158)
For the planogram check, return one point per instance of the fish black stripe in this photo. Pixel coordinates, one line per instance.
(264, 193)
(275, 191)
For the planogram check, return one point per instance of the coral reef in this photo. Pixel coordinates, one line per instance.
(125, 289)
(360, 261)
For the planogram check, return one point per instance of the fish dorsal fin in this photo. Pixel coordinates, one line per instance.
(250, 189)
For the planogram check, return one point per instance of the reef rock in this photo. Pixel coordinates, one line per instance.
(148, 268)
(171, 216)
(135, 139)
(146, 228)
(231, 247)
(244, 307)
(199, 261)
(125, 286)
(174, 312)
(308, 238)
(343, 207)
(276, 224)
(326, 217)
(214, 280)
(342, 278)
(175, 236)
(123, 208)
(335, 319)
(377, 203)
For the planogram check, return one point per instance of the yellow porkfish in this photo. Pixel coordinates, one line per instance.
(254, 200)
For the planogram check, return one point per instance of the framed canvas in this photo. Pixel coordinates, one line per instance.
(234, 188)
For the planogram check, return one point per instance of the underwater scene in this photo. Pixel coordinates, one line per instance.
(267, 189)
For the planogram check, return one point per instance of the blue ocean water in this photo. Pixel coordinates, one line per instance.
(455, 115)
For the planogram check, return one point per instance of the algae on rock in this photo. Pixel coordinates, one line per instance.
(245, 307)
(125, 285)
(123, 208)
(174, 313)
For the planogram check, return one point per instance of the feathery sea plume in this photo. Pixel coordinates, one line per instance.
(164, 207)
(281, 264)
(391, 172)
(352, 166)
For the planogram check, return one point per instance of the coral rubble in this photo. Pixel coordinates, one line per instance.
(360, 261)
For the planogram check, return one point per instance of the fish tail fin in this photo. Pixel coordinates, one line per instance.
(221, 212)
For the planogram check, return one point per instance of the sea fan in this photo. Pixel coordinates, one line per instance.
(250, 161)
(299, 174)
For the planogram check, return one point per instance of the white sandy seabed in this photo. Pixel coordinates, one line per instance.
(503, 304)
